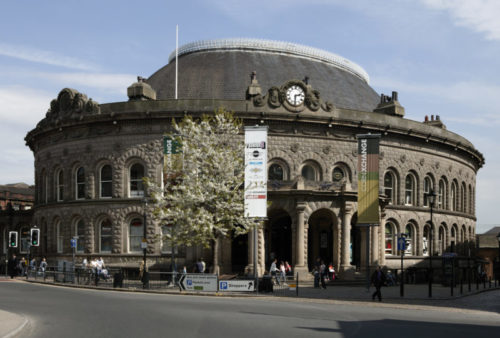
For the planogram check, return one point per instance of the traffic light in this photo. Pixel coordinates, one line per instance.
(35, 237)
(12, 239)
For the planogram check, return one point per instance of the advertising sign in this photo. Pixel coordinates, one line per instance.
(237, 285)
(256, 171)
(199, 282)
(172, 157)
(368, 177)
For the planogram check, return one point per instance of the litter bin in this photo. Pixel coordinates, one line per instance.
(266, 284)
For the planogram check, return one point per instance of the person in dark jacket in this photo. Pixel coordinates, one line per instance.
(378, 280)
(12, 266)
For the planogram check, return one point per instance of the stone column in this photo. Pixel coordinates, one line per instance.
(300, 266)
(249, 267)
(261, 252)
(345, 263)
(381, 239)
(374, 246)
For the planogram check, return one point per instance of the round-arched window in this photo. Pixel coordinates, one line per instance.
(275, 172)
(338, 174)
(309, 173)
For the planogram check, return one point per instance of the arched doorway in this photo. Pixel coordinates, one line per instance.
(239, 253)
(321, 238)
(355, 245)
(278, 237)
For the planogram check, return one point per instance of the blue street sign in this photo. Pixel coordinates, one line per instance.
(401, 244)
(73, 243)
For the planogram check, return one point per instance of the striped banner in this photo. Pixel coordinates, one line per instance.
(368, 181)
(172, 157)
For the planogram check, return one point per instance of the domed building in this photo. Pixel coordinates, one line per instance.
(90, 159)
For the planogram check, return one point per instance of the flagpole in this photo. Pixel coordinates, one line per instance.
(176, 57)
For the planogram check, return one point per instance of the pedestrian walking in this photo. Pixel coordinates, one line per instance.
(323, 274)
(43, 266)
(273, 270)
(12, 266)
(282, 272)
(378, 280)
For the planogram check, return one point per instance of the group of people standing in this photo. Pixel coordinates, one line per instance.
(323, 273)
(20, 267)
(95, 266)
(279, 274)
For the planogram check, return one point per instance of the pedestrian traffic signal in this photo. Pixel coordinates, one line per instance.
(35, 237)
(12, 239)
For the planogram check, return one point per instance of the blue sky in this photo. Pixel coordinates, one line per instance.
(442, 56)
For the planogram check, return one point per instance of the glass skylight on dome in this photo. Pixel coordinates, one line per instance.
(271, 46)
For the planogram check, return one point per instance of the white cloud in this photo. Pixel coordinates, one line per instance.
(478, 15)
(45, 57)
(23, 106)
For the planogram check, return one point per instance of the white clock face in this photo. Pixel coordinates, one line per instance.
(295, 95)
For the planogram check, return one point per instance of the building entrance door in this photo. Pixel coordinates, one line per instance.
(321, 239)
(278, 237)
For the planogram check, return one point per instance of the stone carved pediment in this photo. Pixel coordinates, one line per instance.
(69, 105)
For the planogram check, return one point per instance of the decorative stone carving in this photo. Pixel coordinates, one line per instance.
(327, 149)
(422, 161)
(70, 104)
(437, 165)
(403, 158)
(294, 147)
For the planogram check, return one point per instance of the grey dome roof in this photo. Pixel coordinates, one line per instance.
(220, 69)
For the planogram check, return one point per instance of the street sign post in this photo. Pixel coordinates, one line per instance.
(237, 285)
(199, 282)
(402, 249)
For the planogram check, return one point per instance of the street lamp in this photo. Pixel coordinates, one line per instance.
(498, 266)
(431, 197)
(144, 244)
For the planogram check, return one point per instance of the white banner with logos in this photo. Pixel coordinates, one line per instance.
(256, 171)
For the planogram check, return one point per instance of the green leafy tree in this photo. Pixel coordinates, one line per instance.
(204, 201)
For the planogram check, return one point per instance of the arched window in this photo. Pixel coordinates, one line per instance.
(338, 174)
(463, 194)
(59, 185)
(80, 235)
(470, 199)
(390, 187)
(453, 238)
(105, 234)
(275, 172)
(25, 239)
(426, 240)
(390, 238)
(308, 172)
(59, 237)
(410, 190)
(106, 184)
(428, 186)
(136, 185)
(80, 183)
(453, 196)
(135, 234)
(410, 235)
(441, 240)
(441, 195)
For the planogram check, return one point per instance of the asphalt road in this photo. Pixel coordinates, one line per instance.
(66, 312)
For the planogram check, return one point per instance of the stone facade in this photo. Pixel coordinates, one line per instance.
(312, 184)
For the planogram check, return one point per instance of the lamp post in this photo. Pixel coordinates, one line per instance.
(431, 197)
(144, 244)
(498, 258)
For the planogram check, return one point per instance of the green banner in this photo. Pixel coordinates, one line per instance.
(172, 157)
(368, 180)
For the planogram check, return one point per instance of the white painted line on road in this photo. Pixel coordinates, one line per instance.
(16, 331)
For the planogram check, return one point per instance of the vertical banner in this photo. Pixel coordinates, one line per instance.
(172, 157)
(368, 181)
(256, 171)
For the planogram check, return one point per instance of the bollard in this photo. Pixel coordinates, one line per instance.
(461, 286)
(297, 286)
(484, 283)
(490, 282)
(477, 283)
(468, 279)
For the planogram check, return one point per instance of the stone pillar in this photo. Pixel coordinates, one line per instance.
(300, 266)
(374, 246)
(261, 252)
(381, 239)
(249, 267)
(345, 263)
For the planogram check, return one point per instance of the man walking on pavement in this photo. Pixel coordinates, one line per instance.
(378, 280)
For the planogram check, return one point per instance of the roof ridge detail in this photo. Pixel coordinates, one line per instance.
(272, 46)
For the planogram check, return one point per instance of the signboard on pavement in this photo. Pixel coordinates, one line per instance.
(199, 282)
(237, 285)
(73, 243)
